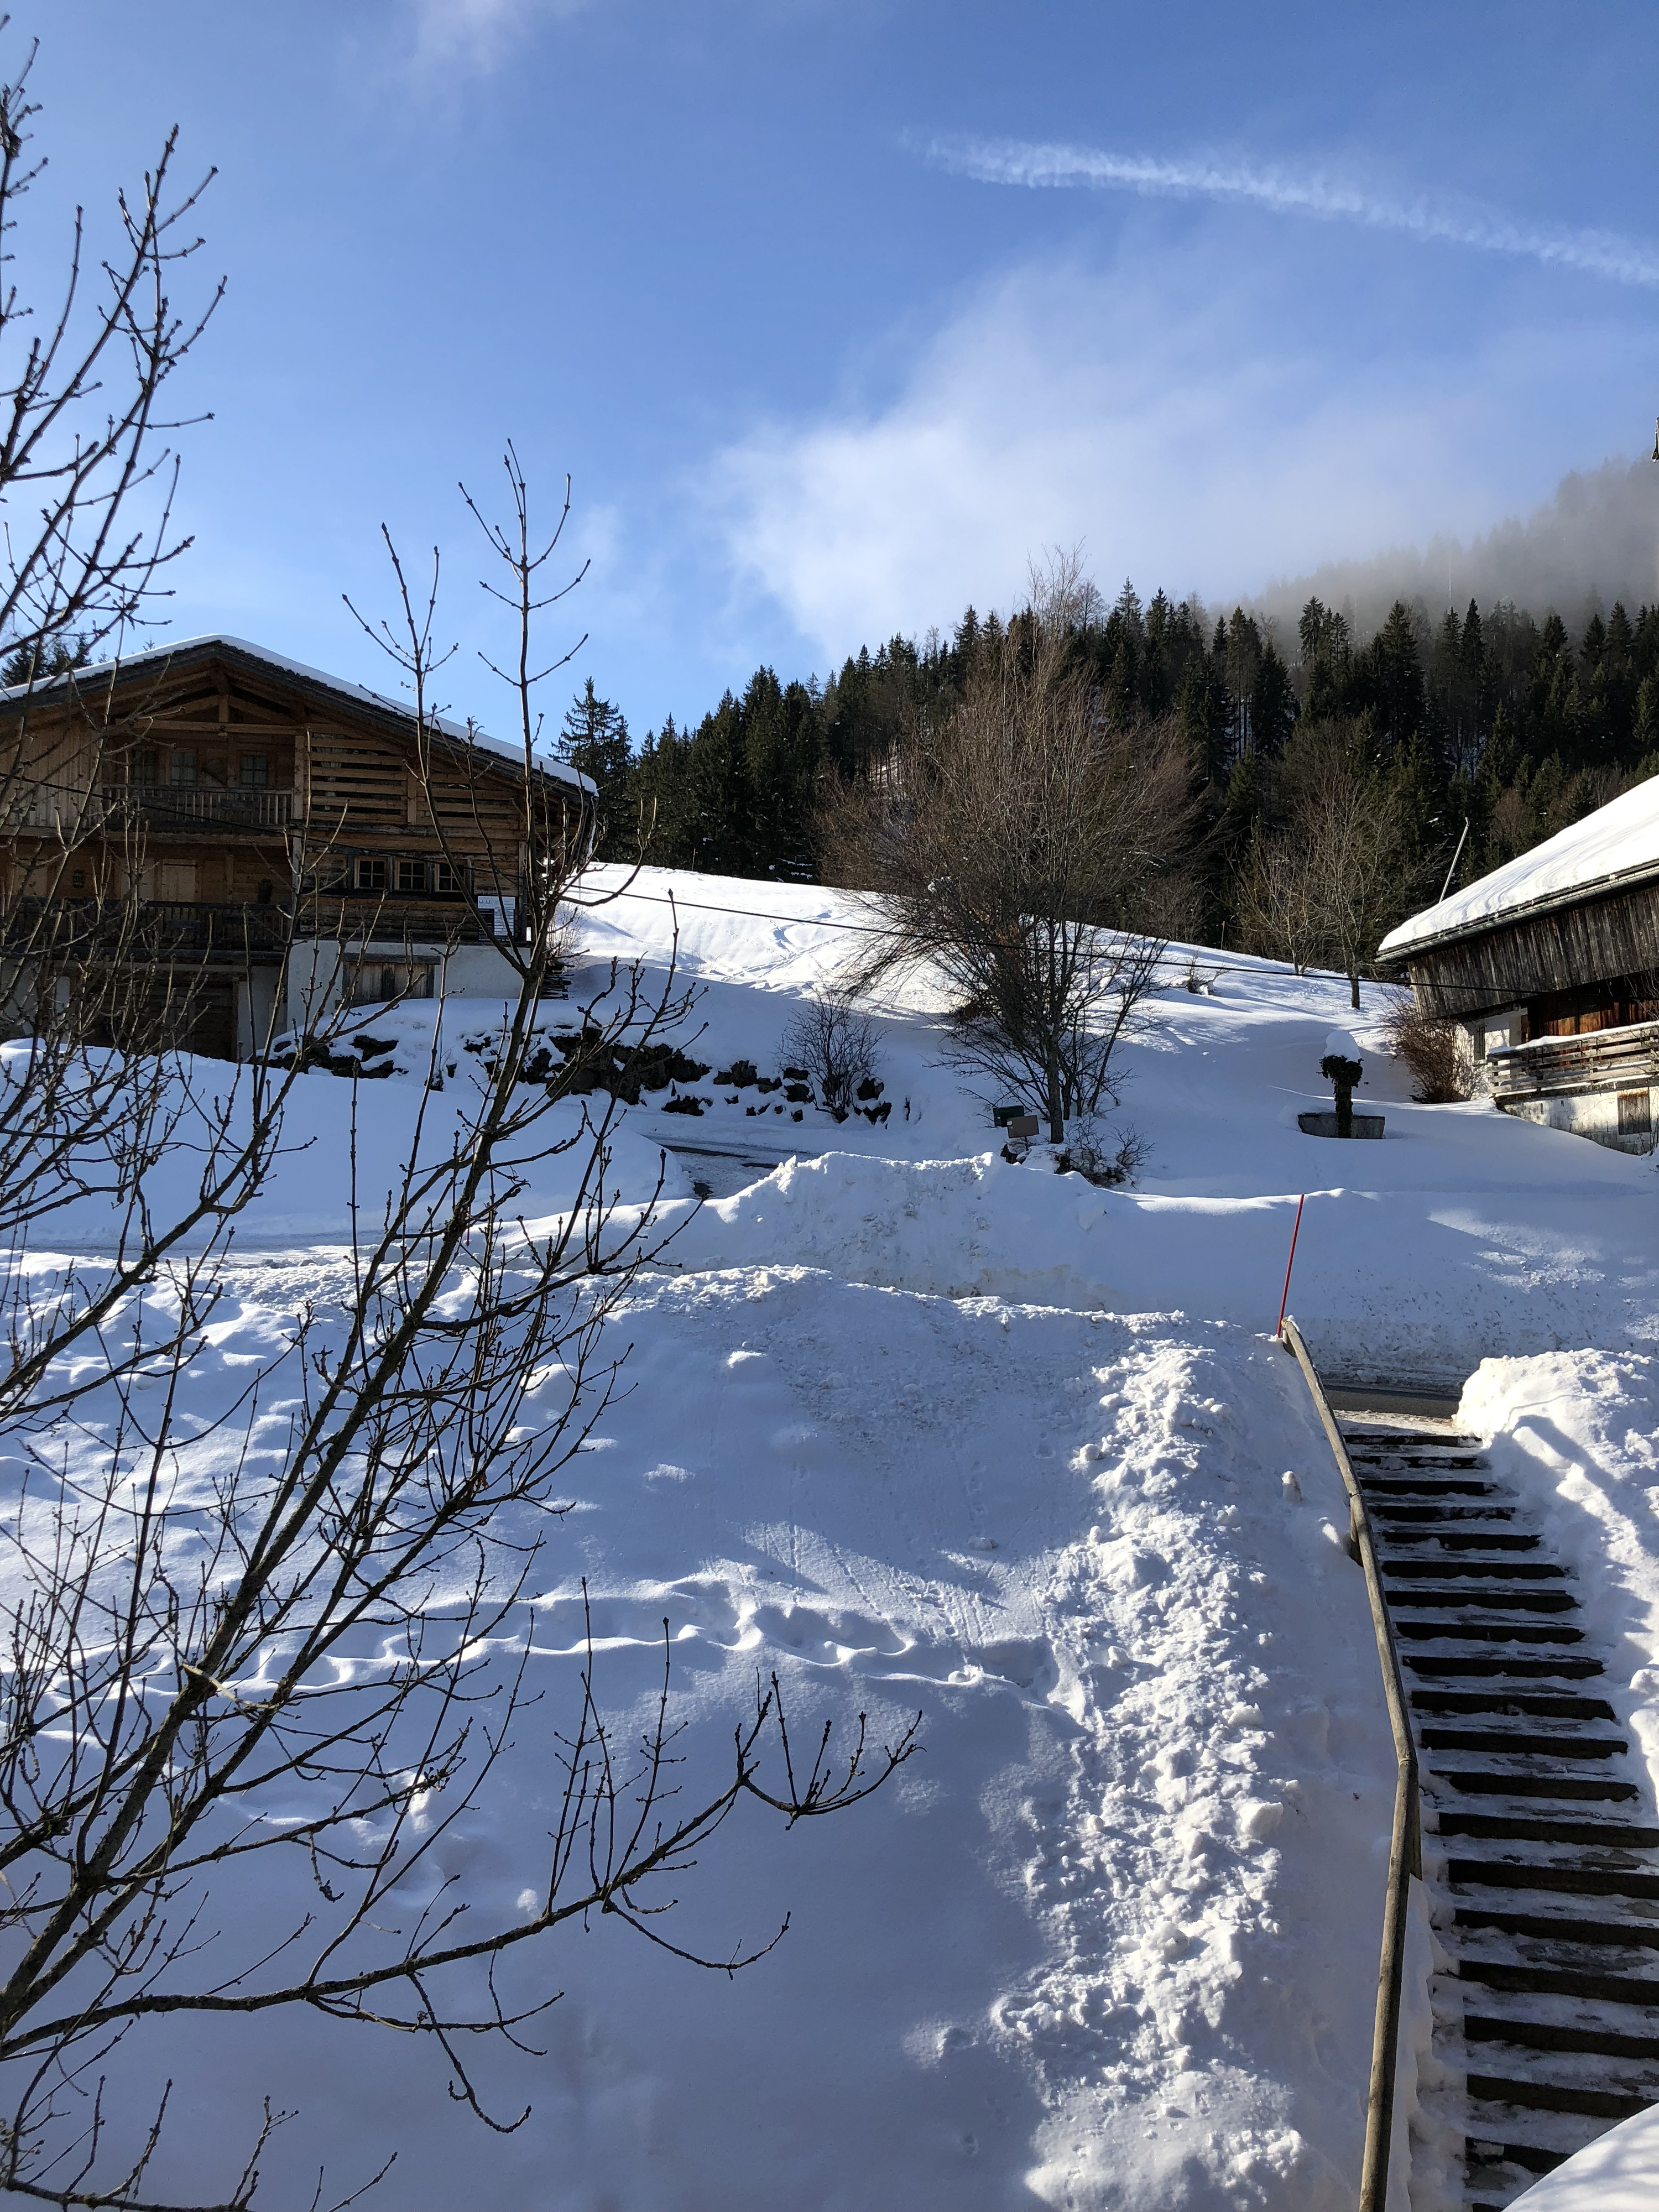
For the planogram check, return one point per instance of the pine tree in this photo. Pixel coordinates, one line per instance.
(1326, 668)
(1390, 682)
(20, 667)
(594, 742)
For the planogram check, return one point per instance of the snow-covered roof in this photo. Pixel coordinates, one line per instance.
(1616, 845)
(193, 648)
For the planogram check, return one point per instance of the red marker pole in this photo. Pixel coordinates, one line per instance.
(1290, 1263)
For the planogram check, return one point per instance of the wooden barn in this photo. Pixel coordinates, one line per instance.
(287, 838)
(1550, 963)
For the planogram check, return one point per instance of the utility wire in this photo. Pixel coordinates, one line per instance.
(743, 913)
(814, 922)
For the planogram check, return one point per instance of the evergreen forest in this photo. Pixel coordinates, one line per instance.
(1459, 743)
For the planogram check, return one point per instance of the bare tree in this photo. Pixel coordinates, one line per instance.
(1325, 885)
(1278, 901)
(307, 1643)
(92, 991)
(82, 422)
(1018, 850)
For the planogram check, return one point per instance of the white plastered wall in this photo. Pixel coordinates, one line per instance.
(319, 974)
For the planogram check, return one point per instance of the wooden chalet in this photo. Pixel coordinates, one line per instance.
(281, 836)
(1550, 963)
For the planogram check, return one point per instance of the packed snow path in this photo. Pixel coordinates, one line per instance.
(1546, 1890)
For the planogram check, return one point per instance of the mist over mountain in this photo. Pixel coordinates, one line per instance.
(1595, 544)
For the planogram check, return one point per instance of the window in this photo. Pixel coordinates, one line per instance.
(376, 980)
(142, 768)
(449, 877)
(255, 774)
(412, 875)
(183, 767)
(1635, 1114)
(370, 875)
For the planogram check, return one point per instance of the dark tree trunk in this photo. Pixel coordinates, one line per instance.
(1056, 1109)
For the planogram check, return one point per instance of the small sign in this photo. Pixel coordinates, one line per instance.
(1002, 1115)
(1024, 1124)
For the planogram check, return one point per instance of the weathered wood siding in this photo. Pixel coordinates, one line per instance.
(99, 786)
(1601, 940)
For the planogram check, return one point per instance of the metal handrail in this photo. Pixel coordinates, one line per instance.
(1406, 1845)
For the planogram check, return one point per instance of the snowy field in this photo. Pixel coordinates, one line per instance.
(921, 1431)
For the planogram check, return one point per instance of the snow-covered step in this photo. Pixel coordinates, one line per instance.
(1506, 1666)
(1540, 1846)
(1512, 1831)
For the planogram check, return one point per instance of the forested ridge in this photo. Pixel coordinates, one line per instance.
(1493, 719)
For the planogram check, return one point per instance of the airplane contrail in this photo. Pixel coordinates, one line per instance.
(1292, 191)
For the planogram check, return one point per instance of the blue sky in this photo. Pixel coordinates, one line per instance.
(839, 313)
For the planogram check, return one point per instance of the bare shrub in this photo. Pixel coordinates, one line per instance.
(1431, 1049)
(1099, 1161)
(835, 1043)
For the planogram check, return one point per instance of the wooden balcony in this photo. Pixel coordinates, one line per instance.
(1562, 1067)
(64, 810)
(180, 807)
(59, 929)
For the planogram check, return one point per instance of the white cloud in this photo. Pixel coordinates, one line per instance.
(1177, 419)
(478, 35)
(1290, 191)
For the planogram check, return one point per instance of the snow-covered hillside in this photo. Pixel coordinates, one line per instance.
(921, 1430)
(1462, 1234)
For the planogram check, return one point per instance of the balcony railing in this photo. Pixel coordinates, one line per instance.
(167, 805)
(59, 929)
(139, 929)
(1601, 1060)
(64, 809)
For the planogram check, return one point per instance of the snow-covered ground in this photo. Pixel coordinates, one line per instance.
(1462, 1233)
(923, 1430)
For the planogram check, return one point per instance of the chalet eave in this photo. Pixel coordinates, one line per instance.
(263, 672)
(1524, 910)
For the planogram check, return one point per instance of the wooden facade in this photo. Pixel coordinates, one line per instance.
(1559, 1000)
(234, 802)
(1576, 964)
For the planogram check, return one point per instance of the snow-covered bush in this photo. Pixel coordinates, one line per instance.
(1342, 1068)
(1092, 1154)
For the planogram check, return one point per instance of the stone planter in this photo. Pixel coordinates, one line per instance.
(1324, 1124)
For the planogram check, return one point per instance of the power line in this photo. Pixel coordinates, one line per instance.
(819, 921)
(746, 913)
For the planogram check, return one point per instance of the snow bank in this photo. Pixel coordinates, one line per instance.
(345, 1143)
(1619, 2172)
(1108, 1943)
(1467, 1233)
(1579, 1434)
(1384, 1288)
